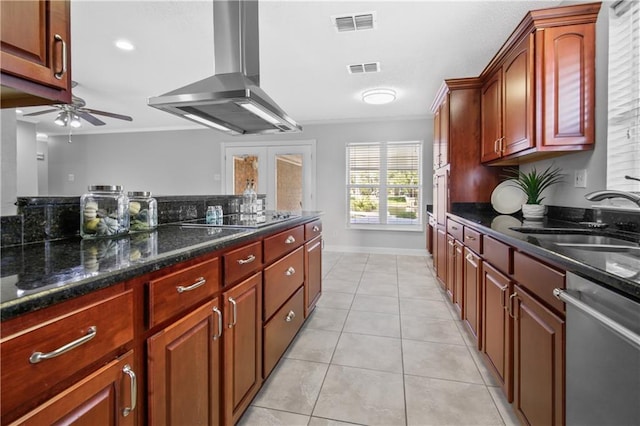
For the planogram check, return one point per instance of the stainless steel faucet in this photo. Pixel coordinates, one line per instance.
(604, 194)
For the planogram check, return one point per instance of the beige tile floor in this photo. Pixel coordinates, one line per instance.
(383, 347)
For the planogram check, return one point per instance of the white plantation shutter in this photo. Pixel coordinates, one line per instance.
(384, 189)
(623, 139)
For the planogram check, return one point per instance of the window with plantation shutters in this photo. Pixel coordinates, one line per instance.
(384, 189)
(623, 139)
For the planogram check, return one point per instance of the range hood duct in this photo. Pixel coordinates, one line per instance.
(231, 100)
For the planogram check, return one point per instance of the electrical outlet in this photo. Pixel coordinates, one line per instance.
(580, 180)
(71, 177)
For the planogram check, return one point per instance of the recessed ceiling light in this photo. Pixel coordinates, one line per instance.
(42, 136)
(19, 111)
(379, 96)
(124, 45)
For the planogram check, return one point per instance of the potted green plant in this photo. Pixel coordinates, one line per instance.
(533, 185)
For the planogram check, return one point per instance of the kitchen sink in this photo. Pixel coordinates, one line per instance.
(589, 241)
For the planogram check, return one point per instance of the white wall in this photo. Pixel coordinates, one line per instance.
(27, 184)
(185, 162)
(9, 162)
(42, 147)
(595, 162)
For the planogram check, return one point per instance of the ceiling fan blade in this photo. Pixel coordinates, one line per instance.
(90, 118)
(46, 111)
(109, 114)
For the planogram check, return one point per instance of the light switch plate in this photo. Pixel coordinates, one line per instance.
(580, 179)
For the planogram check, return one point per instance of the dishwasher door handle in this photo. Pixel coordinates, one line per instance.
(624, 332)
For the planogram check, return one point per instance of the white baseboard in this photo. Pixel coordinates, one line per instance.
(378, 250)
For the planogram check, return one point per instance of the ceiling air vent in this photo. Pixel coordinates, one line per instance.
(355, 22)
(364, 68)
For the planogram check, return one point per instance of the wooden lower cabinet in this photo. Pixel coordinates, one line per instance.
(497, 326)
(450, 275)
(539, 383)
(105, 397)
(458, 280)
(312, 274)
(441, 255)
(184, 369)
(242, 339)
(472, 293)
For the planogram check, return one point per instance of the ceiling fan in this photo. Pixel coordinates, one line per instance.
(70, 114)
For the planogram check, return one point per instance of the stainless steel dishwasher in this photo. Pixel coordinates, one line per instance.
(603, 355)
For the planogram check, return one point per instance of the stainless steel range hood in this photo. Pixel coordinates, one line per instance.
(231, 100)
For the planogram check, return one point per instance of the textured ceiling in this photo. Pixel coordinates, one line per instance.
(303, 58)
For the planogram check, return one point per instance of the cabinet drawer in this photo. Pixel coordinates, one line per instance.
(283, 243)
(242, 262)
(281, 330)
(109, 321)
(473, 240)
(312, 230)
(182, 289)
(539, 278)
(498, 254)
(455, 229)
(281, 280)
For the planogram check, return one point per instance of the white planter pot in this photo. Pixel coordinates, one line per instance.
(533, 211)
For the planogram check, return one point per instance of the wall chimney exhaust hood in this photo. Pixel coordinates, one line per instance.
(231, 100)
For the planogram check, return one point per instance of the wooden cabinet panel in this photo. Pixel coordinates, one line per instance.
(178, 291)
(498, 254)
(441, 196)
(99, 399)
(569, 85)
(539, 279)
(441, 255)
(472, 293)
(282, 243)
(518, 105)
(281, 280)
(538, 362)
(35, 56)
(242, 262)
(455, 229)
(242, 346)
(436, 139)
(312, 230)
(451, 275)
(280, 330)
(108, 321)
(458, 280)
(443, 143)
(497, 327)
(184, 369)
(491, 117)
(312, 274)
(473, 239)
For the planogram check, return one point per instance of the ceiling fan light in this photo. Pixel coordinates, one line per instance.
(75, 121)
(379, 96)
(62, 119)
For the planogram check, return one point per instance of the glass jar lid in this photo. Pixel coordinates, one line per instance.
(107, 188)
(139, 194)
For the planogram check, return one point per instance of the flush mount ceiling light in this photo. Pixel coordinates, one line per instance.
(379, 96)
(123, 44)
(67, 118)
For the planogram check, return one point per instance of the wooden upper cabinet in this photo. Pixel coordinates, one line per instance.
(35, 52)
(539, 90)
(443, 142)
(436, 139)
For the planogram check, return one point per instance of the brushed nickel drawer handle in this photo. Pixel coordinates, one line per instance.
(219, 314)
(469, 257)
(451, 243)
(249, 259)
(61, 73)
(36, 357)
(290, 271)
(510, 307)
(469, 237)
(455, 228)
(290, 316)
(134, 390)
(315, 228)
(235, 312)
(200, 282)
(290, 240)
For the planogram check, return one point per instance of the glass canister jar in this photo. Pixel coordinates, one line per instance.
(104, 212)
(143, 211)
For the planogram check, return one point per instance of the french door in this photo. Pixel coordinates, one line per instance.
(285, 172)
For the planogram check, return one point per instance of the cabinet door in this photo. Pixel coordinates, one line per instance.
(472, 293)
(242, 346)
(312, 274)
(105, 397)
(441, 255)
(451, 259)
(497, 327)
(491, 107)
(517, 76)
(458, 282)
(441, 196)
(569, 85)
(444, 132)
(436, 140)
(35, 45)
(538, 361)
(184, 369)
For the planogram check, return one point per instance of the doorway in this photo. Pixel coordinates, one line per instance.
(283, 171)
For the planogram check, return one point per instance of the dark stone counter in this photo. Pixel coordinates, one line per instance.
(619, 271)
(36, 275)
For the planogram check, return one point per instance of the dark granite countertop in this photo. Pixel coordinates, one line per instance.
(37, 275)
(619, 271)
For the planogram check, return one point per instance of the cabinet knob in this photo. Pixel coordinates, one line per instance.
(290, 316)
(290, 271)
